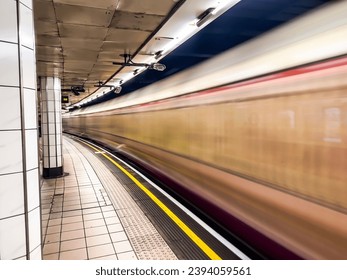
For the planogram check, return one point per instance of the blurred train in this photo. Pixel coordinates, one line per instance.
(255, 137)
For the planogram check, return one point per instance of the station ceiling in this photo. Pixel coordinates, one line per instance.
(78, 40)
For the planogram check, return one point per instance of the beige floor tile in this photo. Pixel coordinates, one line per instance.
(46, 211)
(72, 213)
(110, 214)
(100, 251)
(79, 254)
(94, 216)
(110, 257)
(73, 219)
(94, 223)
(90, 205)
(118, 236)
(56, 215)
(122, 246)
(53, 229)
(51, 238)
(91, 210)
(98, 240)
(115, 228)
(72, 207)
(51, 257)
(71, 203)
(68, 235)
(72, 226)
(127, 256)
(107, 208)
(50, 248)
(96, 231)
(54, 222)
(73, 244)
(112, 220)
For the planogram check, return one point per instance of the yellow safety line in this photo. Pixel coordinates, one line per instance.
(196, 239)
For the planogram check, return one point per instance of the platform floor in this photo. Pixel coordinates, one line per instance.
(80, 222)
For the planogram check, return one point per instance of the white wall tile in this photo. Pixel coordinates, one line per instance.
(45, 150)
(44, 128)
(43, 105)
(52, 151)
(60, 161)
(26, 27)
(34, 223)
(12, 237)
(28, 3)
(50, 93)
(11, 152)
(8, 21)
(53, 162)
(10, 108)
(50, 88)
(44, 118)
(9, 68)
(45, 139)
(52, 140)
(58, 129)
(36, 254)
(33, 189)
(46, 162)
(29, 69)
(59, 153)
(31, 147)
(51, 117)
(58, 138)
(58, 113)
(11, 195)
(50, 106)
(51, 128)
(57, 86)
(30, 108)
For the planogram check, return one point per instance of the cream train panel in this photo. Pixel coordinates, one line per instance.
(296, 143)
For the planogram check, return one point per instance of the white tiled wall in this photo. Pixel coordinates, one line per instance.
(20, 236)
(30, 114)
(12, 237)
(9, 67)
(31, 149)
(11, 152)
(28, 61)
(10, 108)
(27, 28)
(51, 122)
(33, 190)
(11, 195)
(8, 22)
(34, 221)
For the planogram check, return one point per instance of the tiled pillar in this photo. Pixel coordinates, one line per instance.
(20, 215)
(51, 127)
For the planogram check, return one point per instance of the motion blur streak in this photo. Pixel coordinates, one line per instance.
(259, 132)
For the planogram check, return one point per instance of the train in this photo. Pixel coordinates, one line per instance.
(255, 137)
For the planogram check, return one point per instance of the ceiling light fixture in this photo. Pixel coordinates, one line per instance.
(114, 89)
(204, 16)
(129, 62)
(77, 90)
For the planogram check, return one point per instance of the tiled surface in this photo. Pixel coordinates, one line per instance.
(20, 236)
(51, 122)
(79, 219)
